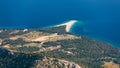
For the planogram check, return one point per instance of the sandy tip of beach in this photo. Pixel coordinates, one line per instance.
(68, 24)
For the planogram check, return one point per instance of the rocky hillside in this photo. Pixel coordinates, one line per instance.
(54, 63)
(54, 48)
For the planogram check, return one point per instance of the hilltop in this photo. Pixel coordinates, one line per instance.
(54, 47)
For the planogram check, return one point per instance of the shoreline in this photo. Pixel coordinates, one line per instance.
(68, 25)
(102, 39)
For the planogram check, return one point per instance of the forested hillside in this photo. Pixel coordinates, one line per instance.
(54, 48)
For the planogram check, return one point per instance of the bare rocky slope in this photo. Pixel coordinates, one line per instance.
(55, 63)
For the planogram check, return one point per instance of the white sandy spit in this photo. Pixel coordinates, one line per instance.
(68, 24)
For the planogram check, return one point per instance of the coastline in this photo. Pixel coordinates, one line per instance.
(70, 28)
(102, 39)
(68, 25)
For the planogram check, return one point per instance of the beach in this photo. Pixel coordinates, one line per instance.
(68, 24)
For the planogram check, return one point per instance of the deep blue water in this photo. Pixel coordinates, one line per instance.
(101, 18)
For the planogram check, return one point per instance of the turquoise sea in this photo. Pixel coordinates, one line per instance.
(100, 18)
